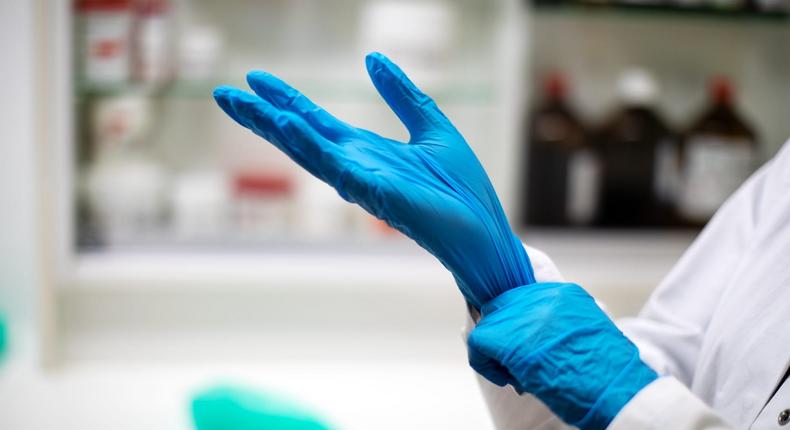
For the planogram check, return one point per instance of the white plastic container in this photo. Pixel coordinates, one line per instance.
(200, 205)
(321, 213)
(117, 122)
(199, 52)
(417, 33)
(152, 41)
(127, 194)
(262, 205)
(105, 41)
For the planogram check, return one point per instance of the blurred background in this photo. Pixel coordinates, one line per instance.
(151, 249)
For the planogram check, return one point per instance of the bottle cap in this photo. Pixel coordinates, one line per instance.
(721, 90)
(152, 7)
(637, 87)
(555, 86)
(103, 5)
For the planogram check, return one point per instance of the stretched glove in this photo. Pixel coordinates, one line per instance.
(553, 341)
(433, 189)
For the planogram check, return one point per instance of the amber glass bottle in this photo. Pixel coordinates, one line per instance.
(718, 154)
(556, 138)
(631, 145)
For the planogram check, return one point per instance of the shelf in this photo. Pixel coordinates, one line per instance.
(339, 270)
(627, 11)
(600, 260)
(335, 90)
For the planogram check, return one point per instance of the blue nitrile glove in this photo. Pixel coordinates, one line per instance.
(553, 341)
(433, 188)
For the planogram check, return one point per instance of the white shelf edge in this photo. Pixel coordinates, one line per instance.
(610, 259)
(339, 271)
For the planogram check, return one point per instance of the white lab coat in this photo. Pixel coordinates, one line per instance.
(717, 328)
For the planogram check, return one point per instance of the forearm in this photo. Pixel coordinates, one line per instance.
(500, 263)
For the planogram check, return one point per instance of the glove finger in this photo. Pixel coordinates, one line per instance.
(222, 99)
(285, 97)
(489, 368)
(417, 111)
(285, 130)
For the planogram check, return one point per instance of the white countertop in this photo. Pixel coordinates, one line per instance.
(351, 395)
(368, 339)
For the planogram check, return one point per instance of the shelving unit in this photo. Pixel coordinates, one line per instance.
(478, 84)
(484, 100)
(683, 48)
(139, 292)
(647, 11)
(335, 90)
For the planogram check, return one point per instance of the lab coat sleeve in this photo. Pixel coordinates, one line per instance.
(667, 404)
(670, 328)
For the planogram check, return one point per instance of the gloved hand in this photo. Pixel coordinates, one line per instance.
(553, 341)
(433, 188)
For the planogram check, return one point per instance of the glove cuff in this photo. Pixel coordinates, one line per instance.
(506, 297)
(632, 379)
(611, 392)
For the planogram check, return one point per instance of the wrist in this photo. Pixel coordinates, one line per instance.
(500, 260)
(518, 293)
(634, 377)
(583, 396)
(515, 268)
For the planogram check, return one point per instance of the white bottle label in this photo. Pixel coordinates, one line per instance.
(106, 47)
(582, 192)
(714, 168)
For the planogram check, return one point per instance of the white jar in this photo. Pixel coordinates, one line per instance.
(105, 41)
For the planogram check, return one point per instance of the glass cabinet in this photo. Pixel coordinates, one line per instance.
(157, 166)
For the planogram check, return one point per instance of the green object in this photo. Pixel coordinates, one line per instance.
(2, 338)
(234, 408)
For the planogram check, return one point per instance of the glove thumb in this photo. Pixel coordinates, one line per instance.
(490, 369)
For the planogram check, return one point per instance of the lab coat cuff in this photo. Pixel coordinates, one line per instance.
(666, 404)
